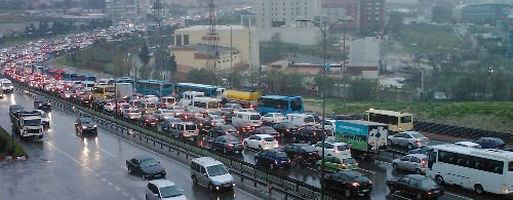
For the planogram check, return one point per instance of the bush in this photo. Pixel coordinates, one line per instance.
(5, 145)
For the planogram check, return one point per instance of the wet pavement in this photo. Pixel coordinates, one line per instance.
(66, 166)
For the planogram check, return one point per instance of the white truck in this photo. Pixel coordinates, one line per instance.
(28, 124)
(123, 89)
(6, 85)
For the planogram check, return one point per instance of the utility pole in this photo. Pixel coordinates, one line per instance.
(231, 55)
(157, 9)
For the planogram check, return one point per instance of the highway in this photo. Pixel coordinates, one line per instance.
(65, 166)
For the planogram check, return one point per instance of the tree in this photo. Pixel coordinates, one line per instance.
(394, 24)
(144, 55)
(362, 90)
(202, 75)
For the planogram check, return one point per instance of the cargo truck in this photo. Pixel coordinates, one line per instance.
(366, 138)
(28, 124)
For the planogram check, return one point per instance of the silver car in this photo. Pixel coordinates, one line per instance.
(408, 139)
(413, 162)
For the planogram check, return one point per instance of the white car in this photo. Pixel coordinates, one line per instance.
(217, 120)
(133, 114)
(163, 189)
(468, 144)
(339, 150)
(273, 118)
(261, 142)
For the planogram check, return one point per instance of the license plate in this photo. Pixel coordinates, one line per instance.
(366, 190)
(236, 151)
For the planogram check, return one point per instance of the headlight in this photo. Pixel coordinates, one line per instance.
(94, 126)
(84, 127)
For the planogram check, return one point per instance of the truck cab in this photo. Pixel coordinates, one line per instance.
(246, 120)
(6, 85)
(300, 119)
(28, 124)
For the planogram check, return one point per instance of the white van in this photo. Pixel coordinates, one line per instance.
(6, 85)
(244, 119)
(212, 174)
(88, 85)
(188, 96)
(300, 119)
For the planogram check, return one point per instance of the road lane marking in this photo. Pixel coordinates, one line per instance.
(107, 152)
(125, 194)
(110, 183)
(104, 180)
(458, 196)
(117, 188)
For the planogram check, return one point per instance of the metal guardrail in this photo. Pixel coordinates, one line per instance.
(285, 187)
(458, 131)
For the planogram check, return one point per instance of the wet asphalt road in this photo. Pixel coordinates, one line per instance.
(65, 166)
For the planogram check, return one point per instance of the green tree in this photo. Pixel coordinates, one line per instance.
(362, 90)
(144, 55)
(394, 24)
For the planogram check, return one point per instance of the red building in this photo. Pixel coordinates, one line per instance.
(349, 8)
(372, 15)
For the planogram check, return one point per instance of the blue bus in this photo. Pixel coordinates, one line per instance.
(208, 90)
(124, 80)
(280, 104)
(90, 78)
(154, 87)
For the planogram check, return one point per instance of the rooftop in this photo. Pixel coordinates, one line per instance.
(218, 27)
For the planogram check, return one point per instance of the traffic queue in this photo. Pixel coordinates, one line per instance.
(275, 127)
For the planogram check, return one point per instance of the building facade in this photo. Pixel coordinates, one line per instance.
(509, 36)
(482, 13)
(202, 56)
(336, 9)
(122, 10)
(372, 15)
(279, 13)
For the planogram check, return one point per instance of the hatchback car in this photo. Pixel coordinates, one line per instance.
(163, 189)
(211, 173)
(261, 142)
(348, 182)
(274, 158)
(302, 153)
(85, 125)
(339, 150)
(491, 143)
(265, 130)
(414, 163)
(227, 144)
(417, 185)
(285, 128)
(334, 164)
(408, 139)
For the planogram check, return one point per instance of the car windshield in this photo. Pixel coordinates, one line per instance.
(343, 147)
(254, 117)
(216, 170)
(281, 154)
(307, 148)
(416, 135)
(171, 191)
(309, 119)
(349, 161)
(149, 162)
(190, 127)
(427, 184)
(269, 139)
(33, 122)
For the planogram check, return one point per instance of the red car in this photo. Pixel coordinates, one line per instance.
(150, 120)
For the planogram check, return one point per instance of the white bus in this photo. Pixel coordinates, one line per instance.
(397, 121)
(481, 170)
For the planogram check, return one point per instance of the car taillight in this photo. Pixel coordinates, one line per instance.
(230, 145)
(355, 184)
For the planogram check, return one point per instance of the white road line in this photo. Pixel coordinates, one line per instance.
(107, 152)
(104, 180)
(125, 194)
(70, 157)
(117, 188)
(247, 193)
(110, 183)
(131, 198)
(458, 196)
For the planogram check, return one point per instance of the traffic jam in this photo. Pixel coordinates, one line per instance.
(271, 131)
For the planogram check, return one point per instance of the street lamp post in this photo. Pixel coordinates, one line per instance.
(323, 28)
(344, 20)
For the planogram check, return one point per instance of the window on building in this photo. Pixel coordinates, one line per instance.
(186, 39)
(178, 40)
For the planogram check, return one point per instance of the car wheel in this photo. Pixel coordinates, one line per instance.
(260, 148)
(146, 197)
(246, 145)
(419, 196)
(194, 180)
(410, 146)
(142, 176)
(395, 167)
(347, 192)
(389, 142)
(479, 189)
(210, 187)
(271, 166)
(129, 170)
(392, 189)
(417, 171)
(439, 180)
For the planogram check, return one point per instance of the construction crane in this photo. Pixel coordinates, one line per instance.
(211, 37)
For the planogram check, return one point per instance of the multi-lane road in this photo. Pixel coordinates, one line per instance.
(65, 166)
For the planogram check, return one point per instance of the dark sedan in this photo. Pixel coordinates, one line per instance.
(85, 125)
(302, 153)
(419, 186)
(150, 120)
(265, 130)
(223, 130)
(308, 134)
(227, 144)
(41, 104)
(285, 128)
(272, 159)
(204, 124)
(349, 183)
(491, 143)
(146, 167)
